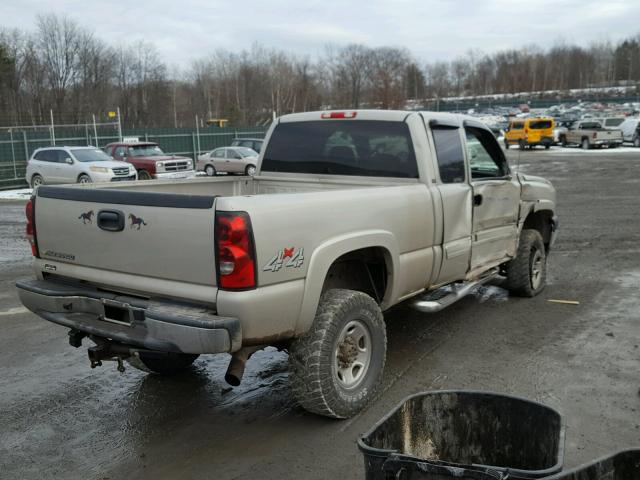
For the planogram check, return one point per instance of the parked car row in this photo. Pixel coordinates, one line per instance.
(135, 160)
(610, 132)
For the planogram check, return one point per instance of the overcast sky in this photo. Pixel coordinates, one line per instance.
(184, 30)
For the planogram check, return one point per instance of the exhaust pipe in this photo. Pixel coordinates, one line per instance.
(235, 370)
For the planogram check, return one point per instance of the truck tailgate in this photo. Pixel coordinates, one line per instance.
(167, 236)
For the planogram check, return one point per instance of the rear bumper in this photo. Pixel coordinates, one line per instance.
(147, 324)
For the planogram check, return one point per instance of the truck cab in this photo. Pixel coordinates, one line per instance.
(150, 161)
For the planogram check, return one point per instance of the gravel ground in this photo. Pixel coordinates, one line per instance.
(61, 419)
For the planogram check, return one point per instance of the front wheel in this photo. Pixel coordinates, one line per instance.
(636, 141)
(586, 145)
(563, 140)
(250, 170)
(337, 365)
(506, 145)
(84, 178)
(521, 144)
(143, 175)
(527, 272)
(162, 363)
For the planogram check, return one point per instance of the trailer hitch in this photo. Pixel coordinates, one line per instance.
(108, 352)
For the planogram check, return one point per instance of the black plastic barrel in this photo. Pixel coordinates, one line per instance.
(468, 434)
(623, 465)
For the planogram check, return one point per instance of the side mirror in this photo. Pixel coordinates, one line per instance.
(68, 161)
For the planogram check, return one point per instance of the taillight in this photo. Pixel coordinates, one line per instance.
(31, 226)
(235, 251)
(338, 114)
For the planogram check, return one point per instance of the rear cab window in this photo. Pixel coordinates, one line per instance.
(342, 147)
(449, 154)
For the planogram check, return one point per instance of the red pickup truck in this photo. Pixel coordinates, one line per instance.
(150, 161)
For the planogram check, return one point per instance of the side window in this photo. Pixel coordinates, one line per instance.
(450, 154)
(232, 153)
(62, 155)
(43, 156)
(486, 159)
(119, 151)
(219, 153)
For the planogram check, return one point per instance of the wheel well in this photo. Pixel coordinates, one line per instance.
(82, 174)
(540, 221)
(365, 270)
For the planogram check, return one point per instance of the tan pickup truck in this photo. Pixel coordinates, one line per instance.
(349, 213)
(590, 134)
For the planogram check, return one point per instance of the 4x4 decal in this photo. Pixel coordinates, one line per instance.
(287, 257)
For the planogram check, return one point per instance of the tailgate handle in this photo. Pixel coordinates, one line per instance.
(111, 220)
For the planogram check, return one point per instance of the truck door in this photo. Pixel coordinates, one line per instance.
(455, 193)
(496, 200)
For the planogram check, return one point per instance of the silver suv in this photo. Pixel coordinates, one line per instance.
(53, 165)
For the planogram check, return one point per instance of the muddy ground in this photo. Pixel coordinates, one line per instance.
(61, 419)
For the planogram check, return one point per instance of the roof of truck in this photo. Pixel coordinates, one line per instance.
(381, 115)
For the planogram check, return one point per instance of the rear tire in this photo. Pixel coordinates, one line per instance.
(527, 272)
(162, 363)
(563, 140)
(586, 145)
(506, 145)
(336, 367)
(636, 141)
(521, 144)
(36, 181)
(210, 170)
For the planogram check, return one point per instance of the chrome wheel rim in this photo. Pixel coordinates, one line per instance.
(85, 180)
(537, 266)
(209, 170)
(251, 170)
(37, 182)
(352, 355)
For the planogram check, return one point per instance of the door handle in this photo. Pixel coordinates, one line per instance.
(477, 200)
(111, 220)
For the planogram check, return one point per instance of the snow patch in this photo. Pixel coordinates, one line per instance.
(19, 194)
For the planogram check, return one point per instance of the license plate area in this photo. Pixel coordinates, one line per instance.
(120, 313)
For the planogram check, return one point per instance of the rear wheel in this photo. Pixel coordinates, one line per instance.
(210, 170)
(636, 141)
(250, 170)
(586, 145)
(506, 145)
(527, 272)
(521, 144)
(337, 365)
(563, 140)
(84, 178)
(162, 363)
(547, 146)
(36, 181)
(143, 175)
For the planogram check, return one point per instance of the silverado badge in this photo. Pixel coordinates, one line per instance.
(287, 257)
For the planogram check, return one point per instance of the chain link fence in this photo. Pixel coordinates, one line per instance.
(18, 143)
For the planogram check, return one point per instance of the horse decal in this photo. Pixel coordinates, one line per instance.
(136, 221)
(86, 217)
